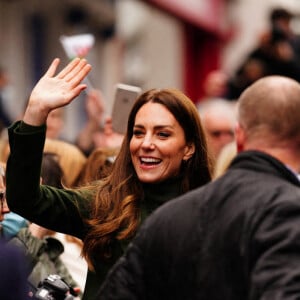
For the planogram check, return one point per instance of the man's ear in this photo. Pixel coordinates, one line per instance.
(189, 151)
(239, 137)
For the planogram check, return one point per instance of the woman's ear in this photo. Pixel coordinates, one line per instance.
(189, 151)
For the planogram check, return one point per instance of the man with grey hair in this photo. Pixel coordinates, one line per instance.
(238, 237)
(218, 119)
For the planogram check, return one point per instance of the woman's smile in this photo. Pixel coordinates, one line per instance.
(149, 162)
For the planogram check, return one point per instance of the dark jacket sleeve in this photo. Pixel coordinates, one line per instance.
(125, 279)
(56, 209)
(274, 253)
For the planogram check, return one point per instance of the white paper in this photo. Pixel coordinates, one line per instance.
(77, 45)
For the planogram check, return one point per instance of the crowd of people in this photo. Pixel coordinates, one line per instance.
(276, 52)
(195, 200)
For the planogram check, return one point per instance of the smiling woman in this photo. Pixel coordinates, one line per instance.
(163, 155)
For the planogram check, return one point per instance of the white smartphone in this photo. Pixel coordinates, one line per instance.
(125, 96)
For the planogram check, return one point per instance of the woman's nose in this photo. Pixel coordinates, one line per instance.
(147, 142)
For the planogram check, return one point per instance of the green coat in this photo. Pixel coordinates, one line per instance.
(62, 210)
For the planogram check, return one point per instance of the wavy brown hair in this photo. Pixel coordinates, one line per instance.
(115, 213)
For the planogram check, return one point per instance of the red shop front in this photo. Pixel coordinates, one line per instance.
(205, 32)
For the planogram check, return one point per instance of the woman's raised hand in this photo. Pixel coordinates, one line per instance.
(53, 91)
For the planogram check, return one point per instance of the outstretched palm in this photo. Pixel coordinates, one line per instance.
(53, 91)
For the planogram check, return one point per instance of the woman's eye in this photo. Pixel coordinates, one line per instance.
(163, 134)
(137, 132)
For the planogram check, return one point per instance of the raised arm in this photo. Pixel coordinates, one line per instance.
(53, 91)
(56, 209)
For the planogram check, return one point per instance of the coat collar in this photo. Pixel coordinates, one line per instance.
(263, 162)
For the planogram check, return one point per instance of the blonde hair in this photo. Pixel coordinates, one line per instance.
(224, 159)
(70, 157)
(98, 165)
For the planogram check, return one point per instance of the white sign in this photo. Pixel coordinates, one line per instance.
(77, 45)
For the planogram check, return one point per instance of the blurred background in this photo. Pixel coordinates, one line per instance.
(150, 43)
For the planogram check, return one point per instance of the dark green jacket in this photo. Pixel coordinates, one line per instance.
(61, 210)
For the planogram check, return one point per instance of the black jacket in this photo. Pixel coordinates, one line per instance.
(237, 238)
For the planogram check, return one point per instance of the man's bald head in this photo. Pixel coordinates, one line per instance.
(269, 110)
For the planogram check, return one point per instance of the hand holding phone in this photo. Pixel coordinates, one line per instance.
(125, 96)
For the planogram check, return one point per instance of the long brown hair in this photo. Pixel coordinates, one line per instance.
(115, 213)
